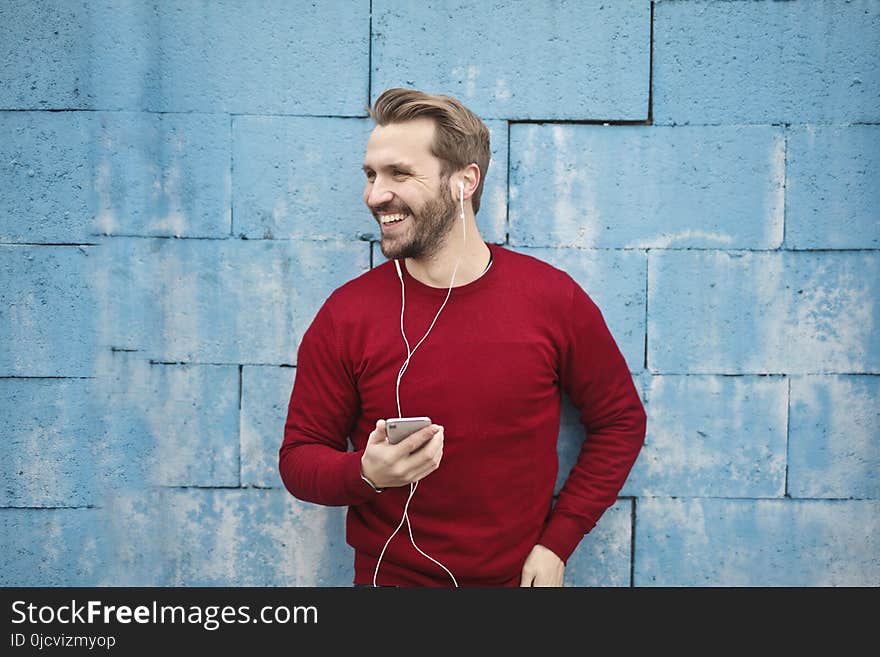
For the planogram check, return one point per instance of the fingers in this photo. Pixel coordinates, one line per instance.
(542, 568)
(425, 459)
(378, 435)
(433, 454)
(419, 439)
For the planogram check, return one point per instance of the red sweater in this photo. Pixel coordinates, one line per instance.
(491, 372)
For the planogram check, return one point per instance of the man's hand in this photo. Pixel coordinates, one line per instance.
(542, 568)
(412, 459)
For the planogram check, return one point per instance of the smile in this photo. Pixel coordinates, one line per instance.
(387, 219)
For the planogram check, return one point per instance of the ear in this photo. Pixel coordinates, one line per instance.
(470, 176)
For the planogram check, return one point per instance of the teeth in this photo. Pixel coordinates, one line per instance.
(392, 218)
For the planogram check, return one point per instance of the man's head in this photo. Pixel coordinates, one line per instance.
(422, 148)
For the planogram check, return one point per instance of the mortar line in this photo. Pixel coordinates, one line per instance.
(231, 177)
(756, 374)
(507, 193)
(785, 492)
(49, 508)
(304, 115)
(632, 542)
(370, 57)
(206, 487)
(240, 392)
(784, 186)
(634, 373)
(44, 110)
(605, 122)
(50, 244)
(152, 361)
(37, 378)
(651, 69)
(333, 240)
(752, 498)
(647, 289)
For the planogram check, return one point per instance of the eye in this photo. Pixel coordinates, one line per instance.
(370, 175)
(399, 173)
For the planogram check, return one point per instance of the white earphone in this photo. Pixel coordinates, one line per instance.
(461, 201)
(409, 355)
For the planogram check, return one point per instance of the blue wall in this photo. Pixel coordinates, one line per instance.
(180, 190)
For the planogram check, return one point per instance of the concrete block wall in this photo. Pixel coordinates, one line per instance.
(180, 191)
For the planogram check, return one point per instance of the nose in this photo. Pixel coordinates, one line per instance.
(377, 193)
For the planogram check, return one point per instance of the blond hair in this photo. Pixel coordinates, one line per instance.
(460, 138)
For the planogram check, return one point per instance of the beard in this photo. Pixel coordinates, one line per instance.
(430, 225)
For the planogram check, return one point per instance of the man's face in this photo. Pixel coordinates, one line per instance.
(405, 191)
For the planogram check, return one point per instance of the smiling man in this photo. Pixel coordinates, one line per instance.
(478, 338)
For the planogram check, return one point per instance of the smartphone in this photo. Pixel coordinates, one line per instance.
(399, 428)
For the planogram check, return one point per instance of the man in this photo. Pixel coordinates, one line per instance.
(478, 338)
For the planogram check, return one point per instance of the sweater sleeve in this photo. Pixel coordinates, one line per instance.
(596, 377)
(314, 463)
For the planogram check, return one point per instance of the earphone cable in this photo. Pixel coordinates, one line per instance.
(409, 354)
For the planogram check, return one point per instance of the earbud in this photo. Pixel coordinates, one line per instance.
(461, 200)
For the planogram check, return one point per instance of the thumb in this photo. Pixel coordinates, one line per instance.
(378, 434)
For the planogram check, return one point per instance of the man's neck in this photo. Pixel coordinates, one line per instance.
(436, 270)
